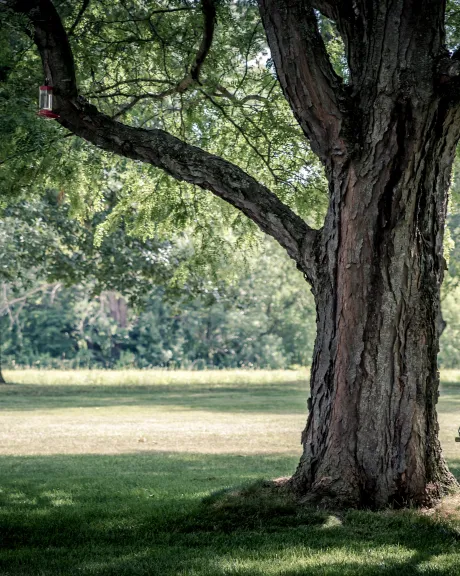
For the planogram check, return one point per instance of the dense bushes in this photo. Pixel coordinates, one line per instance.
(265, 319)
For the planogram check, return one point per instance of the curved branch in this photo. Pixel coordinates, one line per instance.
(209, 12)
(307, 78)
(80, 15)
(449, 67)
(192, 77)
(159, 148)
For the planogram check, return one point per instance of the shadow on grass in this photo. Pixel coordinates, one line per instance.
(275, 397)
(449, 399)
(173, 514)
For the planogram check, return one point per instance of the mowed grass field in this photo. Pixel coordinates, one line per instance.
(140, 473)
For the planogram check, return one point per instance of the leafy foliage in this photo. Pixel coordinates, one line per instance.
(41, 242)
(186, 314)
(130, 61)
(266, 319)
(453, 24)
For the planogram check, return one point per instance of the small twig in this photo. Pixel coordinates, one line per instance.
(82, 10)
(242, 132)
(133, 81)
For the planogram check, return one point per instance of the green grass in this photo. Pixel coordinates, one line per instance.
(140, 473)
(217, 390)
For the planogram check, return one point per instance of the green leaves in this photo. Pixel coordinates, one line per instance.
(264, 319)
(39, 240)
(453, 24)
(131, 61)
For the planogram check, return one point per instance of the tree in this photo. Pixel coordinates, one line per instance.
(257, 315)
(385, 132)
(43, 250)
(41, 241)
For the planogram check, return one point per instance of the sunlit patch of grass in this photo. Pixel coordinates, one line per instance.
(244, 412)
(450, 376)
(164, 473)
(448, 511)
(158, 377)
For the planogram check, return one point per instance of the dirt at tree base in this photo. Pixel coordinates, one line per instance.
(324, 495)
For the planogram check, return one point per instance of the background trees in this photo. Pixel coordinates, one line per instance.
(68, 303)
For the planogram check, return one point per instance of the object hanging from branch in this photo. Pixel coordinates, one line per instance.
(46, 102)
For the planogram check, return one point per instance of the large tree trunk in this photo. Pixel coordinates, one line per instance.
(372, 434)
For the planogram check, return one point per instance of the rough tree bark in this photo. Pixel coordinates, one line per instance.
(371, 435)
(387, 140)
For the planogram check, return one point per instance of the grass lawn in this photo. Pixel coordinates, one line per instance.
(116, 473)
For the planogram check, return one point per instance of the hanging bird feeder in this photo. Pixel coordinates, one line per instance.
(45, 102)
(457, 438)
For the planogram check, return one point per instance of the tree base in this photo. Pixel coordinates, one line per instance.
(338, 495)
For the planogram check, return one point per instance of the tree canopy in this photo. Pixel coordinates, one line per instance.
(137, 63)
(201, 72)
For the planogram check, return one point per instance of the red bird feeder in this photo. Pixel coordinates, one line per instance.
(46, 102)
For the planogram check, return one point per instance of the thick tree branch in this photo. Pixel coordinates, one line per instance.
(306, 75)
(223, 92)
(209, 14)
(449, 68)
(160, 149)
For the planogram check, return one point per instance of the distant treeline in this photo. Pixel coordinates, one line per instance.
(67, 301)
(62, 328)
(263, 327)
